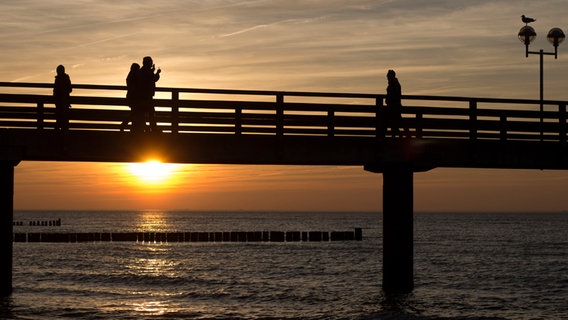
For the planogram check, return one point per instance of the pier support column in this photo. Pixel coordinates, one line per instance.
(6, 229)
(398, 230)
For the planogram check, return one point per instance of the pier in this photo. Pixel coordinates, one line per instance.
(210, 126)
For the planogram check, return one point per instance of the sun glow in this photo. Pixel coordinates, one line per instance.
(152, 171)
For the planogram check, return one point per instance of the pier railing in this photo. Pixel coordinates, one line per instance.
(182, 111)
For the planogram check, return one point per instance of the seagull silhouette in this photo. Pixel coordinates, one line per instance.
(527, 20)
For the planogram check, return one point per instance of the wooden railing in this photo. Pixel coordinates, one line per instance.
(212, 111)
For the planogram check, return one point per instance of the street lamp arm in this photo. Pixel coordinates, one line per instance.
(542, 52)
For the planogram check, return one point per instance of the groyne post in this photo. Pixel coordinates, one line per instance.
(398, 230)
(6, 227)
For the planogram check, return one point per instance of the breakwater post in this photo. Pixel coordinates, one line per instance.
(199, 236)
(6, 228)
(38, 223)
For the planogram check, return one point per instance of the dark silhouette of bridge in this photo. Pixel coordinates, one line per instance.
(212, 126)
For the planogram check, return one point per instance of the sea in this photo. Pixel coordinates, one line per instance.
(467, 266)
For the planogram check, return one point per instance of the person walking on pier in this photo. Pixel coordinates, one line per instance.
(393, 103)
(133, 100)
(147, 78)
(61, 91)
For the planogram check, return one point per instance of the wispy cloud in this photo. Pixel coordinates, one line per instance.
(288, 21)
(244, 30)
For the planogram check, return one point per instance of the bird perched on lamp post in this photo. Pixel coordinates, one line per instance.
(527, 20)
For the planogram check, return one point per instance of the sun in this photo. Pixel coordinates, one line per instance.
(152, 171)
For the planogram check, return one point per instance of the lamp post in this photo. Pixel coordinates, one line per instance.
(555, 37)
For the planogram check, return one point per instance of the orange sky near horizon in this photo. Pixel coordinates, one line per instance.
(445, 47)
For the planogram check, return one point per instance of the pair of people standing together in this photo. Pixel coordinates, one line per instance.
(141, 87)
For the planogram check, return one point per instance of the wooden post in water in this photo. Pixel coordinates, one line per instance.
(398, 246)
(6, 228)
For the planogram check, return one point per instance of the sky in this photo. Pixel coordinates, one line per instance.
(438, 47)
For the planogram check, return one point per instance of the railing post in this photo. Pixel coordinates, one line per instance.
(238, 120)
(279, 114)
(330, 124)
(40, 115)
(472, 119)
(503, 130)
(562, 123)
(175, 111)
(380, 125)
(419, 125)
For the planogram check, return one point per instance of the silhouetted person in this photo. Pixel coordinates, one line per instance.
(133, 100)
(393, 104)
(147, 79)
(61, 91)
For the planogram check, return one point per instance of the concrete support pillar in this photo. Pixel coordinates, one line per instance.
(6, 229)
(398, 230)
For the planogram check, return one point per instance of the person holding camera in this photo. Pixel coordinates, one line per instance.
(147, 78)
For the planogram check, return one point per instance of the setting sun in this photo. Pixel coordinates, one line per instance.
(152, 171)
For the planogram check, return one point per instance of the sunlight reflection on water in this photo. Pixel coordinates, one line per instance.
(152, 260)
(153, 221)
(151, 308)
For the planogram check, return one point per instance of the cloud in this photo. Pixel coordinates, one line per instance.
(317, 45)
(438, 47)
(245, 30)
